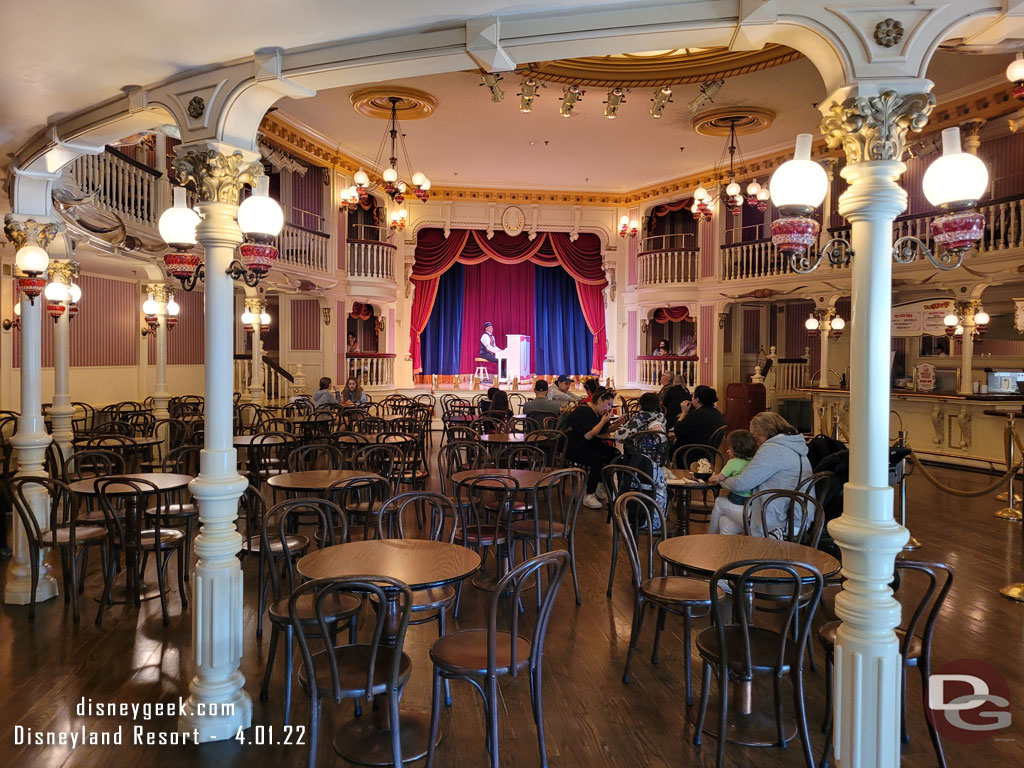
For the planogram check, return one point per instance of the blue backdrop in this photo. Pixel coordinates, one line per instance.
(562, 343)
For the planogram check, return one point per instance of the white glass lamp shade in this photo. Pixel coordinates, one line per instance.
(956, 177)
(361, 178)
(811, 323)
(418, 179)
(799, 184)
(959, 330)
(700, 194)
(981, 317)
(353, 193)
(838, 323)
(402, 214)
(763, 194)
(150, 307)
(259, 214)
(17, 309)
(624, 221)
(247, 317)
(401, 187)
(1015, 72)
(264, 319)
(390, 175)
(426, 184)
(74, 293)
(32, 259)
(733, 189)
(56, 291)
(634, 224)
(950, 320)
(177, 224)
(173, 308)
(753, 188)
(695, 208)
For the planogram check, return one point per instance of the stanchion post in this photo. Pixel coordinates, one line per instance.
(1011, 511)
(901, 441)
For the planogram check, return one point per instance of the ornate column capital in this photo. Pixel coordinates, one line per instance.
(217, 172)
(256, 305)
(875, 127)
(970, 130)
(64, 271)
(161, 292)
(21, 230)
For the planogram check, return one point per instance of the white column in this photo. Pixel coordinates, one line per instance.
(256, 394)
(867, 658)
(61, 412)
(30, 441)
(161, 396)
(967, 350)
(217, 582)
(824, 331)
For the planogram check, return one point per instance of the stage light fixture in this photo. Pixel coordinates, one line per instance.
(662, 97)
(616, 98)
(491, 82)
(571, 96)
(527, 93)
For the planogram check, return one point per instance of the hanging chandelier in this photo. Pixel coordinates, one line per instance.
(730, 193)
(392, 183)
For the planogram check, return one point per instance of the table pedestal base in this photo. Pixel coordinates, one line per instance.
(120, 594)
(754, 727)
(367, 740)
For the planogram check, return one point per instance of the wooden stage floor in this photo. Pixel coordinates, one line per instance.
(48, 666)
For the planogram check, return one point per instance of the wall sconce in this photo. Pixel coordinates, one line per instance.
(152, 323)
(16, 322)
(644, 325)
(327, 315)
(723, 317)
(628, 227)
(379, 325)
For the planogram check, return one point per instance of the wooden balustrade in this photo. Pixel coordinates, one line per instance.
(375, 370)
(371, 258)
(121, 185)
(301, 247)
(667, 267)
(277, 382)
(652, 366)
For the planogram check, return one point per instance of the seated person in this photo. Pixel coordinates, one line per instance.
(741, 449)
(649, 419)
(779, 464)
(353, 393)
(700, 420)
(485, 403)
(662, 349)
(561, 394)
(672, 395)
(584, 446)
(688, 348)
(488, 346)
(326, 394)
(500, 406)
(541, 405)
(590, 386)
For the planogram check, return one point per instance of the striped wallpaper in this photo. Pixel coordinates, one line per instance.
(341, 330)
(708, 247)
(796, 334)
(750, 336)
(307, 207)
(706, 327)
(305, 317)
(631, 346)
(186, 342)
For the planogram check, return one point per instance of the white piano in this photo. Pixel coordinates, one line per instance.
(514, 359)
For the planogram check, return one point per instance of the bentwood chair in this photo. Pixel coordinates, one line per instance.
(303, 458)
(637, 517)
(618, 479)
(361, 500)
(459, 456)
(554, 507)
(915, 643)
(736, 651)
(275, 536)
(481, 656)
(650, 443)
(522, 456)
(160, 540)
(178, 508)
(554, 444)
(64, 533)
(358, 670)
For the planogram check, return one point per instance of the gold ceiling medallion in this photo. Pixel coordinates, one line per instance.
(680, 66)
(718, 122)
(376, 102)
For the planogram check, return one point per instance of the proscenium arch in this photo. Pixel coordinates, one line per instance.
(235, 96)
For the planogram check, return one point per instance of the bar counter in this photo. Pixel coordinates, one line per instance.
(949, 428)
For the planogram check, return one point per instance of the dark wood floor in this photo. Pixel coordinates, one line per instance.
(46, 667)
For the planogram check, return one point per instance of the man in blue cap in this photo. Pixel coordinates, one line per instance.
(488, 348)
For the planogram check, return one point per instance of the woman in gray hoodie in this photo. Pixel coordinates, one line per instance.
(779, 464)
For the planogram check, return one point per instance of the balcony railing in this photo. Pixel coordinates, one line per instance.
(652, 366)
(372, 259)
(277, 382)
(375, 370)
(667, 267)
(122, 186)
(303, 248)
(1003, 232)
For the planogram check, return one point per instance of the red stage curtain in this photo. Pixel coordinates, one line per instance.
(361, 311)
(672, 315)
(482, 283)
(422, 306)
(580, 258)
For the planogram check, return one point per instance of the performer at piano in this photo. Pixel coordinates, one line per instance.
(488, 347)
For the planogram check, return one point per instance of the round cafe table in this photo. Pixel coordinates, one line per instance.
(703, 555)
(164, 481)
(316, 479)
(525, 477)
(421, 564)
(132, 453)
(682, 483)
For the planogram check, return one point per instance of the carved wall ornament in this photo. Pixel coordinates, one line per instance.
(888, 33)
(20, 231)
(218, 177)
(196, 107)
(875, 128)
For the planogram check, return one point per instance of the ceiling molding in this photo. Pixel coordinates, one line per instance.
(301, 141)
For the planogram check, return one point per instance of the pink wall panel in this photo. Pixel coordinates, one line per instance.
(307, 200)
(631, 346)
(634, 248)
(708, 251)
(104, 332)
(750, 338)
(796, 334)
(341, 330)
(706, 327)
(305, 324)
(186, 343)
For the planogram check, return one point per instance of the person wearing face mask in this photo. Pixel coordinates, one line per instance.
(780, 463)
(585, 447)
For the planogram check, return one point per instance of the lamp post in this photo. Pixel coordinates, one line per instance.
(219, 172)
(256, 319)
(30, 236)
(59, 294)
(159, 301)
